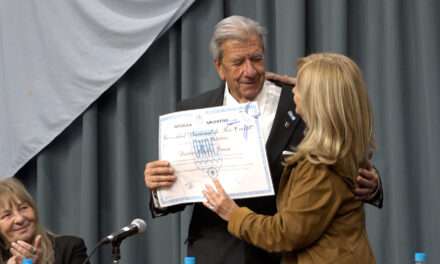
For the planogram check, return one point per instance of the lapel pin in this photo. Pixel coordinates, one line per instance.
(291, 115)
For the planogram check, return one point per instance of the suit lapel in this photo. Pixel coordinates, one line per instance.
(218, 97)
(284, 124)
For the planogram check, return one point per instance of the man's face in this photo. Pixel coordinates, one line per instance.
(242, 67)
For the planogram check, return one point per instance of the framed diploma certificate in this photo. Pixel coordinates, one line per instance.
(222, 143)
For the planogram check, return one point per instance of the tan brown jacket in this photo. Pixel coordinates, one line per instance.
(318, 220)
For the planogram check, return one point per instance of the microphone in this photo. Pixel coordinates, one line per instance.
(137, 226)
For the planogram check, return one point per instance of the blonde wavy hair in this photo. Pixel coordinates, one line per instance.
(13, 192)
(337, 112)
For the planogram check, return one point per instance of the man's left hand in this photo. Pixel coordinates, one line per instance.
(367, 183)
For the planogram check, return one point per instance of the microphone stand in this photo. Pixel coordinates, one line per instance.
(137, 226)
(116, 251)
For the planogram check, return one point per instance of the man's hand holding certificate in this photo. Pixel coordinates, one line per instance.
(222, 143)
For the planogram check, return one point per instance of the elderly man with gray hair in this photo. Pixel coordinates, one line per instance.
(237, 46)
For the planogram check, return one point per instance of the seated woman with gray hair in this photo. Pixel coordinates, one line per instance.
(22, 236)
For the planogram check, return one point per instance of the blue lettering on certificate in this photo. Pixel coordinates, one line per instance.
(207, 155)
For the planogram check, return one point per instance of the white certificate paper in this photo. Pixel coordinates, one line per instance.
(219, 142)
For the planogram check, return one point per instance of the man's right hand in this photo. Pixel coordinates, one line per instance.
(158, 174)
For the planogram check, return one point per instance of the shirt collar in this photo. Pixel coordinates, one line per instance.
(228, 99)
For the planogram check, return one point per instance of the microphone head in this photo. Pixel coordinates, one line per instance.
(140, 224)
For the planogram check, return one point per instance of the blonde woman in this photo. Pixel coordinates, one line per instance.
(319, 220)
(22, 236)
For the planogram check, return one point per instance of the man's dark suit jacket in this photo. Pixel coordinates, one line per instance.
(208, 239)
